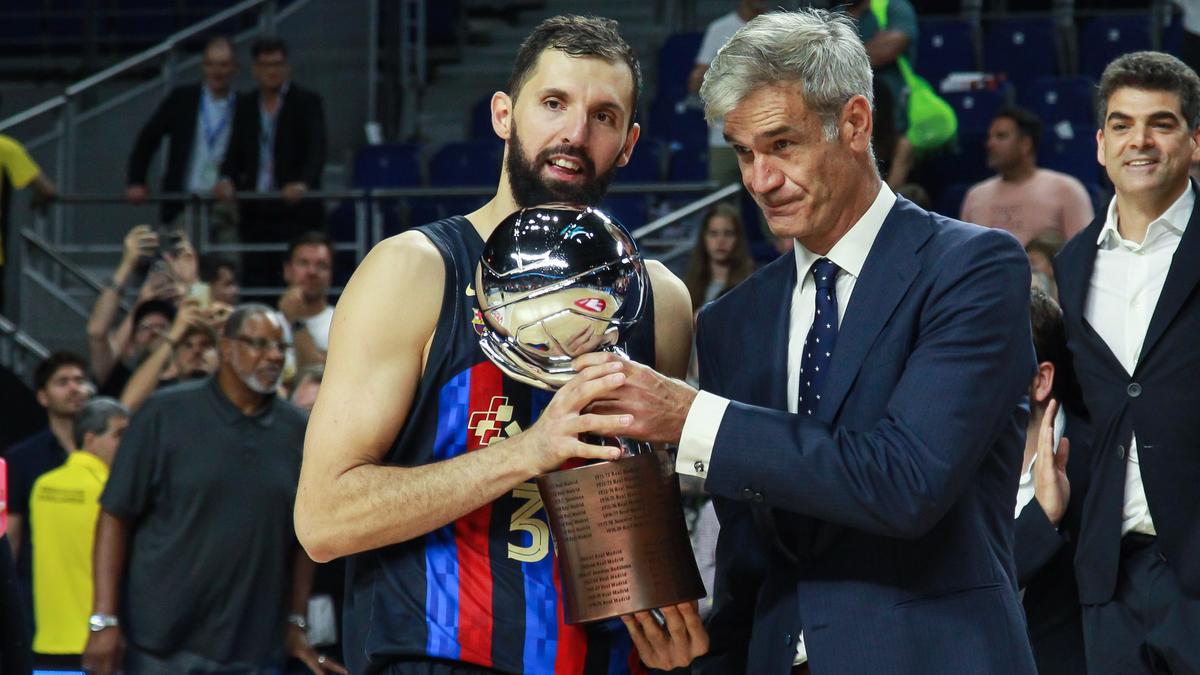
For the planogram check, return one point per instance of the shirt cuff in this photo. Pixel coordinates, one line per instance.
(700, 434)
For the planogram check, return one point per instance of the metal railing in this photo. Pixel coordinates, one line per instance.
(19, 351)
(52, 271)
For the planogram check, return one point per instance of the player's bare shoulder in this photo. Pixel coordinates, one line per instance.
(396, 292)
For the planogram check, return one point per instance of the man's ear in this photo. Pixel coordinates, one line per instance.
(631, 140)
(502, 115)
(42, 399)
(1043, 383)
(857, 123)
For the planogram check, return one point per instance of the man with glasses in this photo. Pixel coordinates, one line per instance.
(278, 144)
(197, 121)
(199, 503)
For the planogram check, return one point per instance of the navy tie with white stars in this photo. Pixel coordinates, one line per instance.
(822, 337)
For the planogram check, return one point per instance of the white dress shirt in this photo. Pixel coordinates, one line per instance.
(849, 253)
(1126, 282)
(214, 121)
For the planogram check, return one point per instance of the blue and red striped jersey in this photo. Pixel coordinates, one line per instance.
(484, 589)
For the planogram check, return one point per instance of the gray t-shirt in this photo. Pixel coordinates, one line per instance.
(208, 493)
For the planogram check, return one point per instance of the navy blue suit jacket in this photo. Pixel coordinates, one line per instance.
(1159, 401)
(902, 488)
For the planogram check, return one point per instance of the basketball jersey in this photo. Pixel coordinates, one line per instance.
(484, 589)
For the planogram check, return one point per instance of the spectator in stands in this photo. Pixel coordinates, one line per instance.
(278, 143)
(170, 269)
(1043, 550)
(18, 170)
(720, 259)
(62, 518)
(1128, 286)
(722, 163)
(1041, 252)
(1026, 200)
(305, 386)
(884, 48)
(200, 502)
(188, 352)
(62, 387)
(196, 121)
(308, 272)
(221, 275)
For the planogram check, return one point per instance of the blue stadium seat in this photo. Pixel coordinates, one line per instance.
(675, 60)
(1074, 154)
(388, 165)
(1022, 49)
(631, 209)
(1061, 99)
(1104, 38)
(138, 23)
(949, 202)
(466, 163)
(481, 120)
(944, 46)
(678, 124)
(975, 109)
(689, 163)
(1172, 34)
(645, 164)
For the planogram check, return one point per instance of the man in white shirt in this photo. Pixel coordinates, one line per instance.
(308, 272)
(859, 423)
(1127, 285)
(197, 122)
(722, 164)
(1042, 543)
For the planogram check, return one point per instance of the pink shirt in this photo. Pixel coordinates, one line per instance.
(1048, 201)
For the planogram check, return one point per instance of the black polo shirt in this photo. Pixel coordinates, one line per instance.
(208, 493)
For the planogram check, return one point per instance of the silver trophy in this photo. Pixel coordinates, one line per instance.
(555, 282)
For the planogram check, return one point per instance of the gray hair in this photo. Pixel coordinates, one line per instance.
(233, 325)
(816, 49)
(94, 416)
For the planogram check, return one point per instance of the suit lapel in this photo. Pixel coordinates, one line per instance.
(1073, 274)
(1181, 282)
(778, 301)
(886, 276)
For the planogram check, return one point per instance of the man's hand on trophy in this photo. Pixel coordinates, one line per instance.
(554, 438)
(659, 404)
(673, 644)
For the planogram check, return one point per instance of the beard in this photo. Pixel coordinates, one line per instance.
(530, 188)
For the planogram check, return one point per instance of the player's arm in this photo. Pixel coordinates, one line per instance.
(349, 500)
(672, 321)
(103, 651)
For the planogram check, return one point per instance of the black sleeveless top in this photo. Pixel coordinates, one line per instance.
(484, 589)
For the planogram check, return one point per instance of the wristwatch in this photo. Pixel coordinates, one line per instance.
(98, 622)
(298, 620)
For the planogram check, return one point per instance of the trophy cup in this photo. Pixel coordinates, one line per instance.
(555, 282)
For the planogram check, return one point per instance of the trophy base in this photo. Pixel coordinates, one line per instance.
(620, 537)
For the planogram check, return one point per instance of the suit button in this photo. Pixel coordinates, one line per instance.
(1134, 390)
(748, 494)
(1121, 451)
(787, 638)
(758, 497)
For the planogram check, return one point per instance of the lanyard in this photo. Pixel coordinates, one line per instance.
(212, 130)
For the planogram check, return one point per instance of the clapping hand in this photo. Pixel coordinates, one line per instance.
(1050, 485)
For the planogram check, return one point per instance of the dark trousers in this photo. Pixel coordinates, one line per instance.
(1150, 624)
(426, 666)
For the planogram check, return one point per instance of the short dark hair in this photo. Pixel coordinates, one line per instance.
(219, 41)
(211, 264)
(312, 238)
(1049, 333)
(94, 416)
(52, 364)
(154, 306)
(268, 45)
(1028, 124)
(576, 36)
(1153, 71)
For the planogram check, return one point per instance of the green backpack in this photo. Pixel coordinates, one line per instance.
(931, 121)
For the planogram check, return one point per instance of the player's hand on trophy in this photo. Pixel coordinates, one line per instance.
(555, 437)
(661, 403)
(673, 643)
